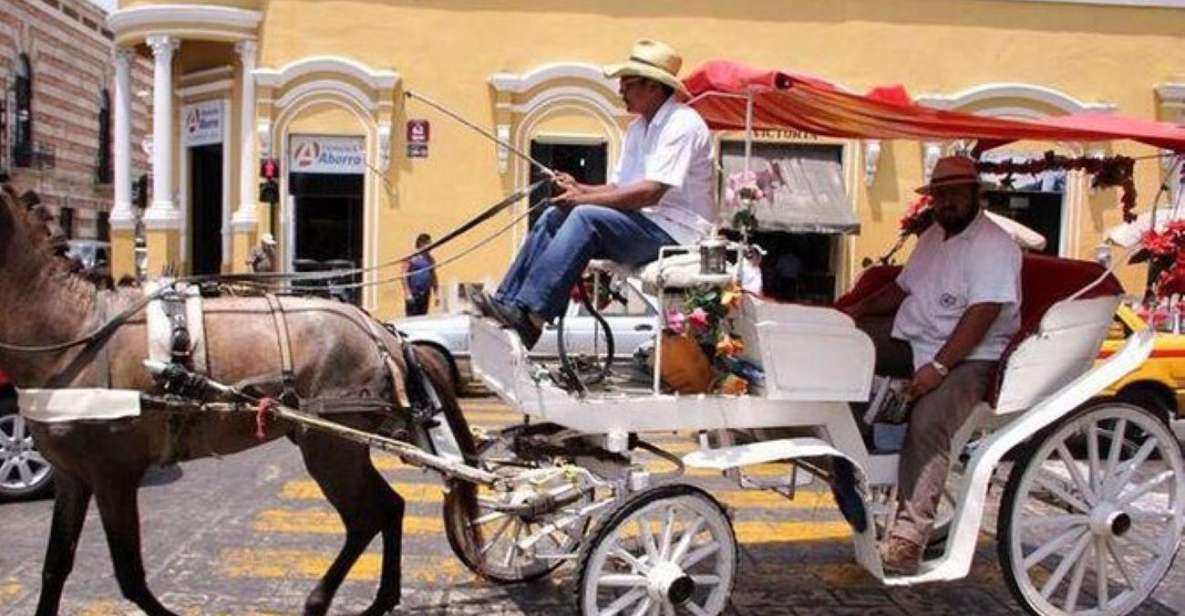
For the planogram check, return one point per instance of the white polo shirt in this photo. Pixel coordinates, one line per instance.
(675, 149)
(945, 276)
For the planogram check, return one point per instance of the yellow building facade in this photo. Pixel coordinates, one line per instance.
(323, 87)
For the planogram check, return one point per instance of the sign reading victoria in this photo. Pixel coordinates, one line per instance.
(321, 154)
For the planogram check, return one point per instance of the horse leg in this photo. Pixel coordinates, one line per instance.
(120, 513)
(71, 499)
(367, 505)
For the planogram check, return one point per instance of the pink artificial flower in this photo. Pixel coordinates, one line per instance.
(676, 322)
(698, 318)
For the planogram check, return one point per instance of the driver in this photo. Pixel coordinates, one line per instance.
(957, 305)
(659, 194)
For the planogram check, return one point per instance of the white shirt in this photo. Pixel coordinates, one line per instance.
(946, 276)
(675, 148)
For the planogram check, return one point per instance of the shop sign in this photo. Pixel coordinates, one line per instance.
(418, 131)
(201, 124)
(320, 154)
(417, 150)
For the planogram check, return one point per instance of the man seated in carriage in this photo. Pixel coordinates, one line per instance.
(956, 306)
(660, 194)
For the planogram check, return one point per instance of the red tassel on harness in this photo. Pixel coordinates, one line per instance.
(262, 412)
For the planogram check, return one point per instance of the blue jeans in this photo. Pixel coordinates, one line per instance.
(562, 243)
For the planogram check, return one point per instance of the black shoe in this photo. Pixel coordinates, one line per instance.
(481, 302)
(847, 497)
(517, 319)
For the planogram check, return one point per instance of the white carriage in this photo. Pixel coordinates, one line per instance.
(1090, 519)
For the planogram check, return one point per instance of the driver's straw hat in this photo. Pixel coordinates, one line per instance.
(951, 171)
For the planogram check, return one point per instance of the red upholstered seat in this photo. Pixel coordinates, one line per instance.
(1044, 281)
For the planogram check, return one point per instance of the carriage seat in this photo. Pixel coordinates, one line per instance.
(676, 272)
(1058, 338)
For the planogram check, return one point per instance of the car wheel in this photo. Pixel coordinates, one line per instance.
(24, 473)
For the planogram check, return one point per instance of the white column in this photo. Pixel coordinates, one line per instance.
(122, 216)
(245, 218)
(163, 212)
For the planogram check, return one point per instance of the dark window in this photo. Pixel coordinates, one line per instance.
(103, 227)
(22, 142)
(103, 160)
(66, 221)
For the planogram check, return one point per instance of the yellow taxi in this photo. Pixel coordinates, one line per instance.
(1159, 384)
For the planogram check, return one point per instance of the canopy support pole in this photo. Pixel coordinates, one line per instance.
(748, 128)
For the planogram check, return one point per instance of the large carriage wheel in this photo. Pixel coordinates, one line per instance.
(487, 541)
(669, 550)
(1093, 512)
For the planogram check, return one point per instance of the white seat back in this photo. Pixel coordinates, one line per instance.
(1064, 346)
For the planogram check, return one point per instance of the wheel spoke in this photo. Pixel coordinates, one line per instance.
(1075, 585)
(37, 458)
(647, 539)
(1116, 448)
(18, 430)
(1144, 488)
(629, 559)
(493, 540)
(1092, 455)
(695, 609)
(1075, 473)
(1145, 544)
(668, 530)
(489, 517)
(512, 549)
(699, 555)
(1054, 522)
(688, 536)
(622, 580)
(644, 607)
(668, 609)
(1057, 543)
(1132, 465)
(7, 468)
(1101, 576)
(1060, 492)
(25, 471)
(1119, 564)
(623, 602)
(1063, 567)
(706, 579)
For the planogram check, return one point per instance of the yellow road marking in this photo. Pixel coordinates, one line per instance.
(241, 563)
(9, 591)
(305, 489)
(411, 492)
(317, 522)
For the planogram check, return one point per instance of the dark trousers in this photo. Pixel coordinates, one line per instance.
(933, 421)
(417, 304)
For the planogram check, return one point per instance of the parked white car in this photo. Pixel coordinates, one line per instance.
(632, 323)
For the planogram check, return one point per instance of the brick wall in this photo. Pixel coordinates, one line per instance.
(70, 51)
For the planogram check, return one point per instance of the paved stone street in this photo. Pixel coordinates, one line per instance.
(249, 534)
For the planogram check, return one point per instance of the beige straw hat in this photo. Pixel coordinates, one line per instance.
(652, 60)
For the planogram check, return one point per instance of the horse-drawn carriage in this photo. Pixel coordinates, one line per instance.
(1090, 519)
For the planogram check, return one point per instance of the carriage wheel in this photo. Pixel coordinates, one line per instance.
(669, 550)
(487, 541)
(1093, 529)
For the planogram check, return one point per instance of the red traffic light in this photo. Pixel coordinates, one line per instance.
(269, 168)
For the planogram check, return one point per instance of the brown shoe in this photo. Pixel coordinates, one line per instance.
(900, 556)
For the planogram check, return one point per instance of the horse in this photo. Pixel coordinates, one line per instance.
(336, 353)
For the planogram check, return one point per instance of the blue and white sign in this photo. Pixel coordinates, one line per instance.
(321, 154)
(201, 124)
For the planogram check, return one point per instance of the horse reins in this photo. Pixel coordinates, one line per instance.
(269, 279)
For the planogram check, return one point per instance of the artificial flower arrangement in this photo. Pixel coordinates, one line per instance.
(704, 322)
(741, 193)
(1105, 172)
(1165, 253)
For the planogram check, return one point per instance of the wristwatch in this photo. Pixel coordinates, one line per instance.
(939, 368)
